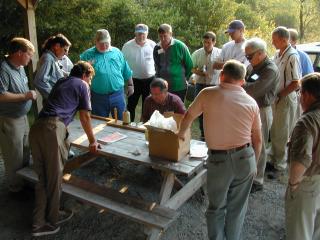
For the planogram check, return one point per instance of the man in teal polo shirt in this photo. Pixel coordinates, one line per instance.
(172, 61)
(112, 74)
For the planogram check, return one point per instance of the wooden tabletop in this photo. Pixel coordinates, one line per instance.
(127, 148)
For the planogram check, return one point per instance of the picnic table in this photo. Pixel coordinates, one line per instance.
(156, 216)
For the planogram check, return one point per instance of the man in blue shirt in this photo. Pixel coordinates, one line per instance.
(112, 73)
(305, 61)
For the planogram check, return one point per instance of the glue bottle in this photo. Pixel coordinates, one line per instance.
(126, 117)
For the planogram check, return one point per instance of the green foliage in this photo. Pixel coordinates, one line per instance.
(79, 19)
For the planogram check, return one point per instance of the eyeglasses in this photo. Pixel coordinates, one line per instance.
(66, 50)
(250, 56)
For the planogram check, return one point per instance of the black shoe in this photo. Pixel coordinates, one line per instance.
(256, 187)
(46, 229)
(270, 167)
(275, 174)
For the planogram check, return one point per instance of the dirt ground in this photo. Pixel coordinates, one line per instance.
(264, 219)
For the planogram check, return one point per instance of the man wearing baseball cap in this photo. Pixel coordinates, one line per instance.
(234, 48)
(139, 54)
(112, 74)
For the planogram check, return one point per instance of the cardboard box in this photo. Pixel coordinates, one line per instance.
(166, 144)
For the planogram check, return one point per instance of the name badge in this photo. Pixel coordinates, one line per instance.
(254, 77)
(160, 51)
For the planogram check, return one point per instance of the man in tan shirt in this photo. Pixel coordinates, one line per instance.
(303, 192)
(232, 129)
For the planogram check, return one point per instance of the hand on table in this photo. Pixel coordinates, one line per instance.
(93, 147)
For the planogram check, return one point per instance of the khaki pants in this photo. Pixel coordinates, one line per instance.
(284, 118)
(49, 147)
(266, 121)
(15, 148)
(303, 210)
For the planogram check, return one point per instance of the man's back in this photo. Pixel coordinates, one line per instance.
(229, 116)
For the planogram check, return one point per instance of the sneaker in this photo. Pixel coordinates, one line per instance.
(71, 154)
(64, 216)
(46, 229)
(270, 167)
(256, 187)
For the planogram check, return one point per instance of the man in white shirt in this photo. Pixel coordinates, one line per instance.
(205, 75)
(234, 48)
(139, 55)
(285, 106)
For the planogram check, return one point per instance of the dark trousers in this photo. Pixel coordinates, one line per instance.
(141, 88)
(199, 87)
(181, 94)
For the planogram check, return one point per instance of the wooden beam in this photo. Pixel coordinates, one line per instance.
(31, 34)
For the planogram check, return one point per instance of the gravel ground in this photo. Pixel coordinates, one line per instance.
(264, 220)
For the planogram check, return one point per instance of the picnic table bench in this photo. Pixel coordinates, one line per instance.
(156, 216)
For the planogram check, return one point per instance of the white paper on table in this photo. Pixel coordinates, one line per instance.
(198, 149)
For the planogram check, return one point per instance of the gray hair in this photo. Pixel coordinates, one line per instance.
(256, 44)
(281, 32)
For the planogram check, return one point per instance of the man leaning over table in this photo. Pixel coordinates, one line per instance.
(49, 145)
(234, 143)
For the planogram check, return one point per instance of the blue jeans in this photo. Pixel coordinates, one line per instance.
(103, 104)
(230, 176)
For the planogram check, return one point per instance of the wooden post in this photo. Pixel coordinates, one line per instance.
(31, 34)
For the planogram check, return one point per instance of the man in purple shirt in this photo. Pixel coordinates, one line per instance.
(161, 100)
(50, 145)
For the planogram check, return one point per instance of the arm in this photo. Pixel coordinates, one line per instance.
(85, 120)
(185, 124)
(256, 139)
(293, 86)
(217, 65)
(198, 72)
(42, 78)
(193, 112)
(17, 97)
(299, 153)
(188, 62)
(296, 173)
(156, 59)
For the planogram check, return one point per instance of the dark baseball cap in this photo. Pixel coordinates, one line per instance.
(234, 25)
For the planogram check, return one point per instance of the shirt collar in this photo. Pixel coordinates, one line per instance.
(231, 86)
(171, 43)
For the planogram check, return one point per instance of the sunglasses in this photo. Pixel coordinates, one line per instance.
(250, 56)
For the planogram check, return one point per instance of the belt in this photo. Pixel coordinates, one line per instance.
(232, 150)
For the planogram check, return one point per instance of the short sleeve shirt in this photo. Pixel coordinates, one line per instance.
(172, 104)
(140, 58)
(201, 59)
(289, 67)
(111, 69)
(13, 80)
(233, 50)
(67, 97)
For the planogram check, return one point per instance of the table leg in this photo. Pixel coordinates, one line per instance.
(165, 193)
(166, 188)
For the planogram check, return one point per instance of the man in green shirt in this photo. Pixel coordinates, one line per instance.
(172, 61)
